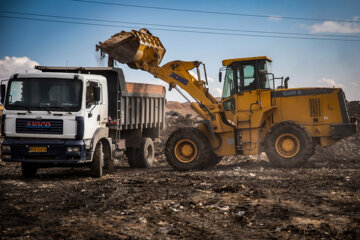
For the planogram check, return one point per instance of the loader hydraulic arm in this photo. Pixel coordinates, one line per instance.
(142, 50)
(176, 73)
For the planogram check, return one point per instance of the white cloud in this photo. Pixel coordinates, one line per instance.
(11, 65)
(216, 92)
(336, 27)
(327, 82)
(275, 18)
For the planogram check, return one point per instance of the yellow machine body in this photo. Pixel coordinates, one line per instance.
(251, 107)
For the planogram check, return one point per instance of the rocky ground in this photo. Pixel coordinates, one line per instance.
(241, 198)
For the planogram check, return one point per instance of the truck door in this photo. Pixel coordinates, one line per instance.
(93, 109)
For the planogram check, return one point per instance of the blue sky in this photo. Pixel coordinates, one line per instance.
(308, 63)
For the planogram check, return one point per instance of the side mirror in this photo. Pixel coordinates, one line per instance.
(3, 90)
(97, 93)
(220, 76)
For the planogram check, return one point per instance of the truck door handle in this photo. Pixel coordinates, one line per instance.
(98, 117)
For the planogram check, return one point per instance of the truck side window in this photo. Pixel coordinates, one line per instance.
(90, 101)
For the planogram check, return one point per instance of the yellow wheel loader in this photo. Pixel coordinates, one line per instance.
(253, 116)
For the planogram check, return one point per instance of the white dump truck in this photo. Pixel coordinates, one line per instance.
(69, 116)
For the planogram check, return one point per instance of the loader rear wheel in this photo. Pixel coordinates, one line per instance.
(142, 157)
(288, 144)
(97, 163)
(187, 149)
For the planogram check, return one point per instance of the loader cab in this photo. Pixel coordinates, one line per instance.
(244, 74)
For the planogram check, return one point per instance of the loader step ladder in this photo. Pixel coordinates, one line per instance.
(240, 144)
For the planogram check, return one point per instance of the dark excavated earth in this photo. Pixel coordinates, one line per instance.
(241, 198)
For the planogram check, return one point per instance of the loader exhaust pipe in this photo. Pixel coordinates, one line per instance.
(134, 48)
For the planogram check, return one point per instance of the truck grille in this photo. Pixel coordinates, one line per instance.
(44, 126)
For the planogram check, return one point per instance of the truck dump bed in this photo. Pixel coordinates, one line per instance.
(131, 105)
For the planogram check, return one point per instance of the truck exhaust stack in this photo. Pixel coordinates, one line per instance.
(134, 48)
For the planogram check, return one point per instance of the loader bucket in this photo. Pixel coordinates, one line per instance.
(134, 48)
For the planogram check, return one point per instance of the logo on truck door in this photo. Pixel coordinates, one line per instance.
(38, 124)
(179, 78)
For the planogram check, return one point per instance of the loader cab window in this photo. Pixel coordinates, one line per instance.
(246, 78)
(265, 79)
(229, 88)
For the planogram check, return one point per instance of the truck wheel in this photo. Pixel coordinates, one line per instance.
(187, 149)
(142, 157)
(28, 170)
(288, 144)
(97, 163)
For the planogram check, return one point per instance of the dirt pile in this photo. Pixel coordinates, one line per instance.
(354, 109)
(181, 108)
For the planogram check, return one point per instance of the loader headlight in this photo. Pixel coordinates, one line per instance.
(5, 148)
(73, 149)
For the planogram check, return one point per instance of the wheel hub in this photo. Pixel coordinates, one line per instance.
(185, 150)
(287, 145)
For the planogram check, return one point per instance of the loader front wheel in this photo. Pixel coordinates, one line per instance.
(288, 144)
(187, 149)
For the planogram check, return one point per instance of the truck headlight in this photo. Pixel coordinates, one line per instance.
(5, 148)
(6, 156)
(73, 149)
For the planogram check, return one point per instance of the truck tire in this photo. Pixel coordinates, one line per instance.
(97, 163)
(189, 148)
(142, 157)
(288, 145)
(28, 170)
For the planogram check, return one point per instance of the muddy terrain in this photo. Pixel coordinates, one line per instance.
(241, 198)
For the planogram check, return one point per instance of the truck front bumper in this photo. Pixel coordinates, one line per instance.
(44, 151)
(340, 130)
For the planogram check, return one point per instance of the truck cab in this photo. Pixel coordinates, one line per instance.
(65, 117)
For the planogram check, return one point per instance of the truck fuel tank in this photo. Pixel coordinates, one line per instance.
(134, 48)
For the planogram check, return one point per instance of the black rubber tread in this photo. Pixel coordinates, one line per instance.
(28, 170)
(108, 162)
(131, 154)
(97, 163)
(140, 157)
(305, 139)
(214, 160)
(204, 156)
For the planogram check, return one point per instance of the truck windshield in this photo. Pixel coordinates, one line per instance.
(50, 94)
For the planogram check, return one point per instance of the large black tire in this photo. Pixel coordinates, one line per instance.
(142, 157)
(97, 163)
(108, 161)
(28, 170)
(288, 145)
(214, 160)
(189, 148)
